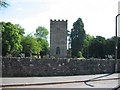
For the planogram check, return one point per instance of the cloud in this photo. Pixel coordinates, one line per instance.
(28, 1)
(19, 9)
(31, 23)
(13, 1)
(97, 15)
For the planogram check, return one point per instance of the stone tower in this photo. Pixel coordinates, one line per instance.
(58, 38)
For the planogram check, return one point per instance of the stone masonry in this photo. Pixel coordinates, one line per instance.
(17, 67)
(58, 38)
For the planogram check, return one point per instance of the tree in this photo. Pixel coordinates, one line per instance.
(87, 40)
(110, 46)
(11, 39)
(21, 30)
(3, 3)
(44, 47)
(30, 45)
(41, 35)
(97, 47)
(77, 37)
(41, 32)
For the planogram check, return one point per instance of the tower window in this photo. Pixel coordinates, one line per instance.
(58, 50)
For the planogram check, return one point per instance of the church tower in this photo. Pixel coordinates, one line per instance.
(58, 38)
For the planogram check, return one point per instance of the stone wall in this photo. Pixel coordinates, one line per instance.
(55, 67)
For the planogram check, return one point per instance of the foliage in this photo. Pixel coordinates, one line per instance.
(77, 37)
(100, 47)
(21, 32)
(30, 45)
(44, 47)
(11, 39)
(82, 45)
(110, 46)
(119, 47)
(79, 55)
(41, 32)
(85, 49)
(3, 3)
(41, 35)
(14, 42)
(97, 47)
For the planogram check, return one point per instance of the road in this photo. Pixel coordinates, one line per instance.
(81, 81)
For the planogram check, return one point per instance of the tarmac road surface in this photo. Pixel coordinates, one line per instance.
(81, 81)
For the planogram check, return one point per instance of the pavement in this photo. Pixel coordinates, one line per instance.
(80, 81)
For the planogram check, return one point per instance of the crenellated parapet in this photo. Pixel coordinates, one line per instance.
(58, 20)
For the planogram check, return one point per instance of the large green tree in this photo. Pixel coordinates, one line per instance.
(30, 45)
(97, 47)
(44, 47)
(77, 37)
(41, 32)
(85, 50)
(21, 30)
(42, 35)
(110, 46)
(11, 39)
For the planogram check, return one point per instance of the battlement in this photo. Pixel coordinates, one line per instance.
(58, 38)
(58, 20)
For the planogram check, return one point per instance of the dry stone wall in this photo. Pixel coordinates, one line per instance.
(13, 67)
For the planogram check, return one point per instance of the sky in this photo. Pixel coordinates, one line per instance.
(98, 16)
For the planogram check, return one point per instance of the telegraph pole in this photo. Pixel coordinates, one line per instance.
(116, 43)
